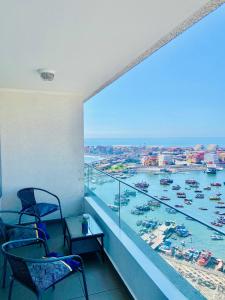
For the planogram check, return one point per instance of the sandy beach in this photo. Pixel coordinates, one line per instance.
(209, 282)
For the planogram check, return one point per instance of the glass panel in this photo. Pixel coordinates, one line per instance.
(194, 249)
(105, 190)
(191, 248)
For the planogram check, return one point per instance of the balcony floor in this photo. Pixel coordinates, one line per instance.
(102, 280)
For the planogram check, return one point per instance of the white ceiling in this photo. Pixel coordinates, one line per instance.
(87, 42)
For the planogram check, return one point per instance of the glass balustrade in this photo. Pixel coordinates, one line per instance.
(192, 247)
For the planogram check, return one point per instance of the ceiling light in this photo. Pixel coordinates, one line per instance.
(46, 75)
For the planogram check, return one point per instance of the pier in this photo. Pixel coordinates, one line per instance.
(159, 234)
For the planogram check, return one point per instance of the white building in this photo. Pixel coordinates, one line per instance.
(165, 159)
(211, 157)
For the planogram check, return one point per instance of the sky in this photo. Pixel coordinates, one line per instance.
(179, 91)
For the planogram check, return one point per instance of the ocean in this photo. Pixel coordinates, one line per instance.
(167, 142)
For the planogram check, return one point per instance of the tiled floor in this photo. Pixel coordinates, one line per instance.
(102, 280)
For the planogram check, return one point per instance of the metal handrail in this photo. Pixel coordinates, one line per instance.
(156, 199)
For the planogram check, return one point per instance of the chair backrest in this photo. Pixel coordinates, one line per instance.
(26, 197)
(3, 230)
(18, 266)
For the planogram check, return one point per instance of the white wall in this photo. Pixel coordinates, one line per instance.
(42, 146)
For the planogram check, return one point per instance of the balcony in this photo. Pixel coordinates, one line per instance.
(102, 279)
(89, 46)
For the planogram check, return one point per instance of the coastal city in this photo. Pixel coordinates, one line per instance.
(154, 158)
(174, 200)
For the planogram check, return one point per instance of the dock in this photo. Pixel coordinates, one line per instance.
(157, 236)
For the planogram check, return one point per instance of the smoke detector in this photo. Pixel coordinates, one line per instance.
(46, 75)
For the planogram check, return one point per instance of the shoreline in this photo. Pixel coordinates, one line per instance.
(209, 282)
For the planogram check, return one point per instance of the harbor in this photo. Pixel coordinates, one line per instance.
(193, 249)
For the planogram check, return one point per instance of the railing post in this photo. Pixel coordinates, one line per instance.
(119, 204)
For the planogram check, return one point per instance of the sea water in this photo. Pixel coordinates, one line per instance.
(200, 235)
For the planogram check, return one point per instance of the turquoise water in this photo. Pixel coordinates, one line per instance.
(200, 238)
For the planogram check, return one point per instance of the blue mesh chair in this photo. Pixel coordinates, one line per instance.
(40, 274)
(9, 232)
(31, 206)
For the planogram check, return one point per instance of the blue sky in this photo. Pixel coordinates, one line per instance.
(179, 91)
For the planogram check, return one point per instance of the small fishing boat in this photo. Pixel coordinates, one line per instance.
(196, 254)
(211, 169)
(181, 195)
(217, 224)
(220, 206)
(187, 202)
(199, 196)
(221, 220)
(154, 203)
(166, 181)
(215, 198)
(204, 258)
(179, 205)
(176, 187)
(189, 218)
(203, 208)
(191, 181)
(182, 231)
(220, 202)
(136, 212)
(178, 253)
(198, 191)
(113, 207)
(128, 193)
(143, 185)
(171, 210)
(164, 198)
(207, 188)
(215, 184)
(216, 237)
(188, 254)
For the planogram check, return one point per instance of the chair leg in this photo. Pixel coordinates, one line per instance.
(39, 297)
(85, 284)
(4, 272)
(21, 214)
(10, 288)
(63, 227)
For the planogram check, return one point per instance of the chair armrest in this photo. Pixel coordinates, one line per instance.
(29, 241)
(22, 227)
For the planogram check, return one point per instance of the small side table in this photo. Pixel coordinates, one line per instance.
(80, 243)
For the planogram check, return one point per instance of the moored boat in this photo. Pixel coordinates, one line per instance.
(207, 188)
(199, 196)
(204, 258)
(211, 169)
(215, 184)
(164, 198)
(216, 237)
(113, 207)
(217, 224)
(166, 181)
(176, 187)
(143, 185)
(215, 198)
